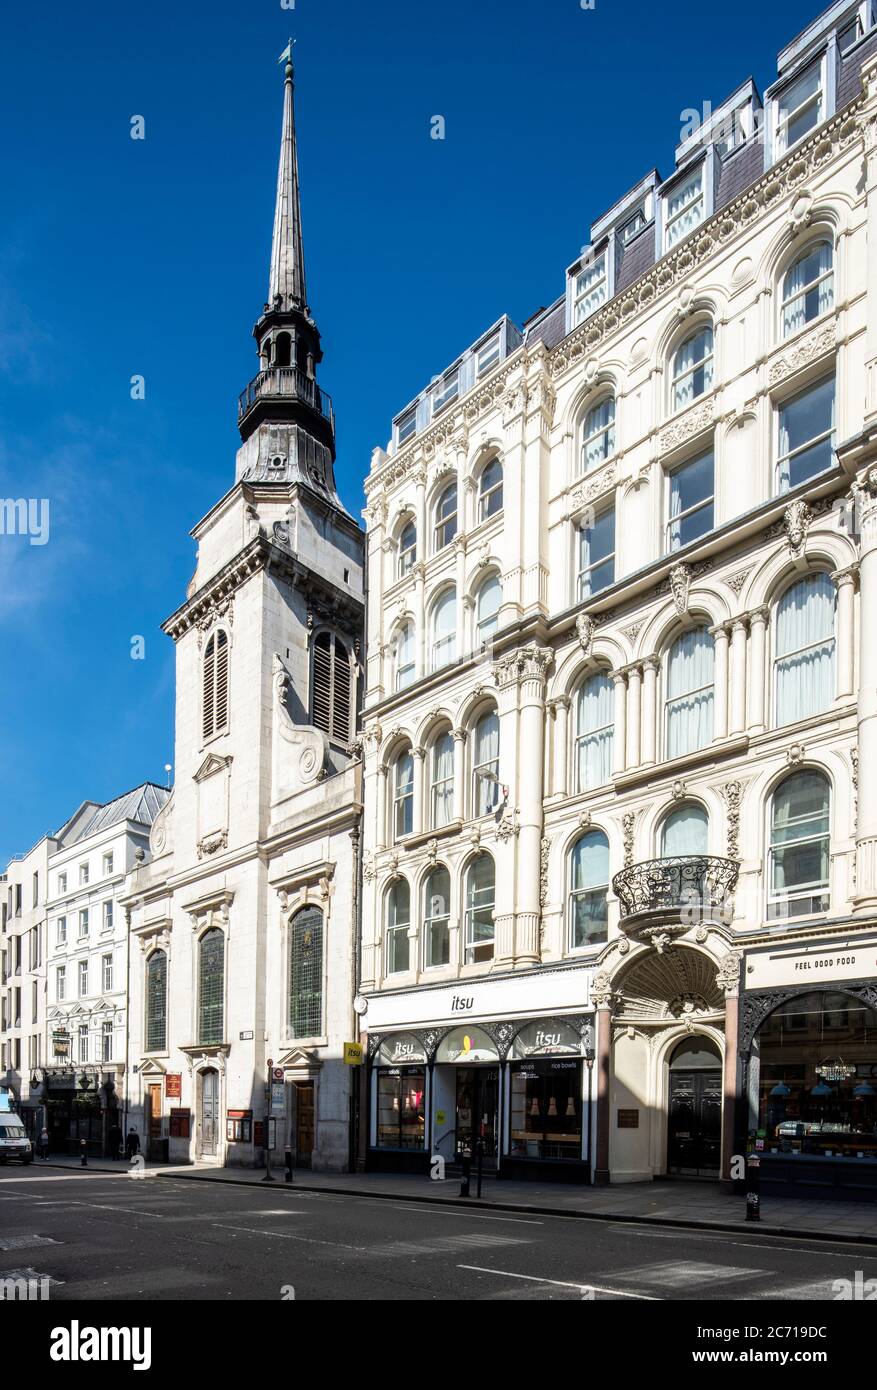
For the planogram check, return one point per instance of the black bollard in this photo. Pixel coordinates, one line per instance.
(753, 1183)
(83, 1153)
(479, 1149)
(287, 1158)
(466, 1165)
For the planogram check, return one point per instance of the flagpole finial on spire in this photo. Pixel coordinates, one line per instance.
(286, 57)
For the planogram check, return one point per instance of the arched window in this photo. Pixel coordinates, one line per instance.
(398, 924)
(598, 434)
(282, 350)
(808, 287)
(437, 917)
(156, 1002)
(692, 369)
(407, 547)
(403, 795)
(490, 490)
(211, 986)
(306, 973)
(487, 608)
(442, 782)
(405, 665)
(444, 630)
(215, 704)
(804, 661)
(594, 731)
(480, 904)
(445, 527)
(485, 764)
(589, 884)
(685, 832)
(330, 687)
(799, 845)
(690, 693)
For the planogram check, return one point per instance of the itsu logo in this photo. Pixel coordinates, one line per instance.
(402, 1051)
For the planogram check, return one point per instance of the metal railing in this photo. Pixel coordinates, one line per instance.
(685, 881)
(286, 383)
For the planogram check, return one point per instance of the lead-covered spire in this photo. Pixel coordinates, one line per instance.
(286, 288)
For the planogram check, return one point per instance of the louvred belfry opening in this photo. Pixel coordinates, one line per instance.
(330, 702)
(215, 707)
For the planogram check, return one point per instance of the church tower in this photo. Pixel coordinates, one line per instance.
(245, 913)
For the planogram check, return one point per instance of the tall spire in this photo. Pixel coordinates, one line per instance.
(286, 289)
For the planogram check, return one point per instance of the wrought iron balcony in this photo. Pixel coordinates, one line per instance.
(286, 384)
(693, 887)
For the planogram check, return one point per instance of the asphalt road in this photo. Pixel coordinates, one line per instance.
(102, 1236)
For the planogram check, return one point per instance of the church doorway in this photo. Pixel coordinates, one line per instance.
(694, 1110)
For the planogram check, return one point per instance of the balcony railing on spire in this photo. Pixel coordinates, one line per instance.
(286, 383)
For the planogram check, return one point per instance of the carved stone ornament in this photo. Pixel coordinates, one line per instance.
(584, 820)
(735, 582)
(544, 855)
(601, 990)
(628, 821)
(604, 480)
(697, 418)
(733, 792)
(680, 587)
(633, 632)
(585, 627)
(509, 825)
(214, 609)
(368, 868)
(679, 791)
(796, 522)
(795, 754)
(806, 350)
(211, 843)
(728, 973)
(528, 663)
(432, 850)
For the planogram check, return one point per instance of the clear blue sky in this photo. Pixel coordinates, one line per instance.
(120, 257)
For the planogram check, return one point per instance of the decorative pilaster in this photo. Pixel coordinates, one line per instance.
(738, 675)
(728, 979)
(459, 774)
(561, 745)
(420, 790)
(460, 571)
(720, 706)
(650, 710)
(755, 719)
(619, 736)
(383, 773)
(634, 716)
(845, 583)
(866, 823)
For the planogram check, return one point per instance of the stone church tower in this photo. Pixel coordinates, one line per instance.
(246, 917)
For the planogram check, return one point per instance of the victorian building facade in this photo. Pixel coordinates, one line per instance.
(620, 732)
(245, 920)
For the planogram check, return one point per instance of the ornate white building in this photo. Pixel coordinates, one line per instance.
(246, 919)
(620, 845)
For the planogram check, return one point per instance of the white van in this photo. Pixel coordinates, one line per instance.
(14, 1142)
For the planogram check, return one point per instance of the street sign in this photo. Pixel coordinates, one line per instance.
(173, 1085)
(277, 1073)
(278, 1099)
(353, 1054)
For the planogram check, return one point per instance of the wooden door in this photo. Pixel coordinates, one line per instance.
(154, 1103)
(304, 1123)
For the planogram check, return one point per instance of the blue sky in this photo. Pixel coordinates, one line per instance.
(120, 257)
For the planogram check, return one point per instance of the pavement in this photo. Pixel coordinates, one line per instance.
(92, 1235)
(663, 1203)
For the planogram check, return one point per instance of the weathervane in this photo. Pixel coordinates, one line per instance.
(286, 55)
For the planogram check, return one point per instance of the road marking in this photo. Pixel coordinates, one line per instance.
(562, 1284)
(24, 1242)
(676, 1274)
(469, 1215)
(288, 1235)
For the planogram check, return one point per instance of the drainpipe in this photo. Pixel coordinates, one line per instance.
(356, 1079)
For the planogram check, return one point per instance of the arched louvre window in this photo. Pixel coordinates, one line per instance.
(403, 795)
(799, 846)
(808, 287)
(211, 986)
(306, 973)
(490, 490)
(398, 923)
(442, 797)
(692, 369)
(489, 601)
(480, 904)
(156, 1002)
(330, 687)
(598, 434)
(215, 702)
(589, 885)
(685, 832)
(437, 917)
(485, 764)
(594, 731)
(805, 649)
(690, 693)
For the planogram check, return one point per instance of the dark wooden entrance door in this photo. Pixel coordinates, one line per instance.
(304, 1123)
(694, 1123)
(154, 1100)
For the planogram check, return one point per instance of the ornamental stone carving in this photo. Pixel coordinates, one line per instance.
(699, 417)
(680, 587)
(733, 792)
(604, 480)
(796, 522)
(214, 609)
(811, 346)
(585, 627)
(795, 754)
(602, 993)
(728, 973)
(528, 663)
(211, 843)
(509, 824)
(544, 855)
(628, 821)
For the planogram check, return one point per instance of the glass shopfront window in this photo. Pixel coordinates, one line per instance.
(818, 1081)
(401, 1108)
(546, 1108)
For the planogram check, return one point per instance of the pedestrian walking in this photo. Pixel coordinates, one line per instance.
(44, 1144)
(132, 1143)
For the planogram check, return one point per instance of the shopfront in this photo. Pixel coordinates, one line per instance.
(515, 1088)
(809, 1050)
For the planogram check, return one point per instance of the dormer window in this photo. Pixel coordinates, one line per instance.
(684, 208)
(406, 425)
(488, 354)
(632, 227)
(799, 108)
(447, 389)
(850, 33)
(591, 289)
